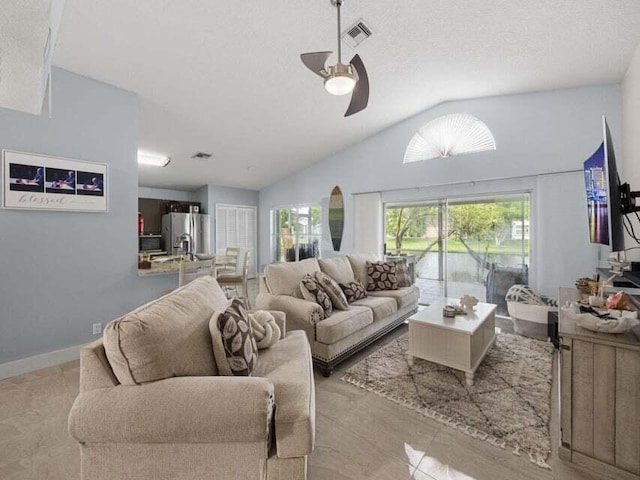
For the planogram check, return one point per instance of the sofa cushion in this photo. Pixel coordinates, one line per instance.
(332, 289)
(382, 307)
(284, 278)
(313, 292)
(338, 268)
(404, 296)
(359, 266)
(288, 366)
(234, 346)
(168, 337)
(353, 291)
(343, 323)
(382, 276)
(402, 272)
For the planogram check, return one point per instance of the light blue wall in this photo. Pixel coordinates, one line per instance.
(535, 134)
(166, 194)
(231, 196)
(202, 195)
(228, 196)
(63, 271)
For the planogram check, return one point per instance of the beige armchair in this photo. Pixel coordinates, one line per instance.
(192, 427)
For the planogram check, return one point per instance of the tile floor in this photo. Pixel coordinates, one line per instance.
(359, 435)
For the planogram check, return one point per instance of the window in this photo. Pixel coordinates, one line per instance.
(296, 233)
(449, 135)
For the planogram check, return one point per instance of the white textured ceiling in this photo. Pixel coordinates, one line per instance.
(226, 77)
(24, 26)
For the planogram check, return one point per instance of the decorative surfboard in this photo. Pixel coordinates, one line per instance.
(336, 217)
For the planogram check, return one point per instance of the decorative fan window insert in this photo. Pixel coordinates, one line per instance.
(449, 135)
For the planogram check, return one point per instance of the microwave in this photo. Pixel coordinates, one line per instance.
(150, 243)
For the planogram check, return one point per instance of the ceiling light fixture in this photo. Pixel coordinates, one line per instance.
(341, 80)
(155, 160)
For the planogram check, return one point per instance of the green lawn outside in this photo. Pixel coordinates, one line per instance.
(508, 247)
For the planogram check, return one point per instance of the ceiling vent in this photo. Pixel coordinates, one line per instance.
(201, 156)
(356, 34)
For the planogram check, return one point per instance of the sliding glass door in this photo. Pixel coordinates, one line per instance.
(474, 246)
(487, 247)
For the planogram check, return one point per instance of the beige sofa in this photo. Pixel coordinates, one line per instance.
(346, 331)
(191, 427)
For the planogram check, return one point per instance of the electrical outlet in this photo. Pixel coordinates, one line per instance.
(97, 328)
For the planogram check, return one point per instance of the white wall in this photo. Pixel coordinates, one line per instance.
(537, 133)
(631, 135)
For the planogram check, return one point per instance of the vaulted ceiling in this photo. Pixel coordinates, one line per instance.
(226, 77)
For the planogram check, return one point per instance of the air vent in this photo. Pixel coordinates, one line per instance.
(202, 156)
(356, 34)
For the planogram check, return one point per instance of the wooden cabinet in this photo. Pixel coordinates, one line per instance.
(599, 398)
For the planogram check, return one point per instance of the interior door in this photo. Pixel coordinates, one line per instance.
(235, 226)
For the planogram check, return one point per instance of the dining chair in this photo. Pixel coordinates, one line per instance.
(228, 263)
(190, 270)
(238, 278)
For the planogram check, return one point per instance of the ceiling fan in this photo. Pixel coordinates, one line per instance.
(341, 79)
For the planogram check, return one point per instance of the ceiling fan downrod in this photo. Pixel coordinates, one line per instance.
(338, 5)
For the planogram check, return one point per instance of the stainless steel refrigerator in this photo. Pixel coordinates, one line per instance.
(196, 225)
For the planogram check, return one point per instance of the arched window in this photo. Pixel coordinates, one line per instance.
(449, 135)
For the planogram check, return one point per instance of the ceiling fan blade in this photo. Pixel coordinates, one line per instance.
(360, 95)
(315, 61)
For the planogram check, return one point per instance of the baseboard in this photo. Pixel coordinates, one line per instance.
(36, 362)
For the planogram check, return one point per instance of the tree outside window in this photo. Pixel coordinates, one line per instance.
(296, 233)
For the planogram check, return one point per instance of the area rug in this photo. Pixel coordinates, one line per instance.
(509, 405)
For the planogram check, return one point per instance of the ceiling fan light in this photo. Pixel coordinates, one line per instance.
(340, 84)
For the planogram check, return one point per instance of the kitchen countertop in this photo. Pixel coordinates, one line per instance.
(159, 268)
(170, 267)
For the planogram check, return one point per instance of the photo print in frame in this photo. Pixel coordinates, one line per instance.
(39, 182)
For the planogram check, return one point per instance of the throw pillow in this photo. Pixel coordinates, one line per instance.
(234, 345)
(353, 291)
(312, 291)
(382, 276)
(404, 279)
(265, 329)
(334, 291)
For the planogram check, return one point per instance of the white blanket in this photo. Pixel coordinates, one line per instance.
(622, 321)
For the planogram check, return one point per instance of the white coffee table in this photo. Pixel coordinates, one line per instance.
(460, 342)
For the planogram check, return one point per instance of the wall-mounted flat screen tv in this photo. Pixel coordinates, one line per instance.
(603, 195)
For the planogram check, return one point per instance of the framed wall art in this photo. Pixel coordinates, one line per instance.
(39, 182)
